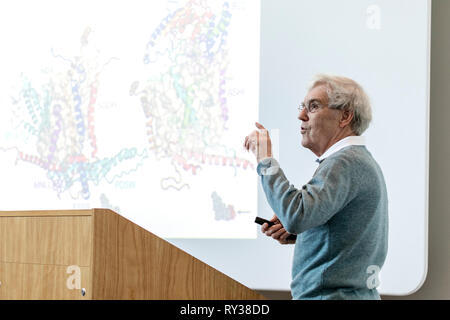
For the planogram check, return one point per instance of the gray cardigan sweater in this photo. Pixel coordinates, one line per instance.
(341, 219)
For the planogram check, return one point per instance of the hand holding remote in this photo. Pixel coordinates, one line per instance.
(278, 232)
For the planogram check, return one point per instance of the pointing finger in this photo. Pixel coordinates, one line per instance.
(260, 126)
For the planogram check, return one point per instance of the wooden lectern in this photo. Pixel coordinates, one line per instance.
(98, 254)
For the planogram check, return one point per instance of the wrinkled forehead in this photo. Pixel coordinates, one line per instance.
(318, 93)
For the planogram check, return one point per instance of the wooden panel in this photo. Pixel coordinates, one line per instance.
(131, 263)
(63, 240)
(37, 281)
(128, 262)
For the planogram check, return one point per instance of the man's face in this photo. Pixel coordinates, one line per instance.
(319, 129)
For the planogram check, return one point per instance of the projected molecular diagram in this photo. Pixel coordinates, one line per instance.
(184, 99)
(132, 116)
(58, 118)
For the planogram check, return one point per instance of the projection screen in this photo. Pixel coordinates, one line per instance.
(142, 107)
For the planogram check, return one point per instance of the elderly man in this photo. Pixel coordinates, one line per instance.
(340, 216)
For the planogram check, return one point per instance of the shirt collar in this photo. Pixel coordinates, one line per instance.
(347, 141)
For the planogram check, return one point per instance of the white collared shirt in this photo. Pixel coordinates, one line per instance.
(347, 141)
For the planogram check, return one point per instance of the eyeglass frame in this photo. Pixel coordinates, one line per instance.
(302, 106)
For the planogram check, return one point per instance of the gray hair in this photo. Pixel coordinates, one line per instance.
(346, 94)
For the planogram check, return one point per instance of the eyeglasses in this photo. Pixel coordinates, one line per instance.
(311, 107)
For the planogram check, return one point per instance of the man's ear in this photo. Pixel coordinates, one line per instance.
(346, 118)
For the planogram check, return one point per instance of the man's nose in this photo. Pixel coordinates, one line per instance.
(303, 115)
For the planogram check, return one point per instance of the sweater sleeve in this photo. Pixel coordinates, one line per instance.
(329, 191)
